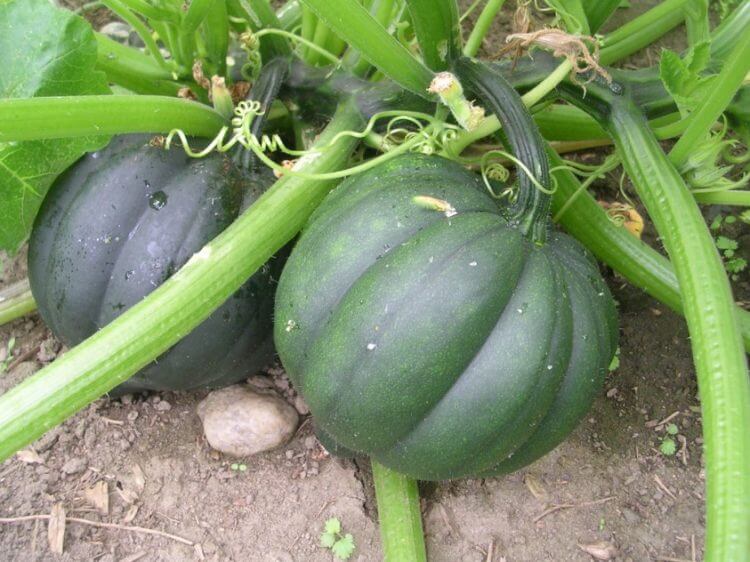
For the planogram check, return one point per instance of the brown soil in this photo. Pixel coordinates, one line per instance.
(609, 482)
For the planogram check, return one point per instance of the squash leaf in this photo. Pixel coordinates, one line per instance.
(53, 57)
(685, 78)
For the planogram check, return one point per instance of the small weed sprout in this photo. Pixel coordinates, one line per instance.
(341, 545)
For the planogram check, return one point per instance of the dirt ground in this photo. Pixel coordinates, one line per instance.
(607, 488)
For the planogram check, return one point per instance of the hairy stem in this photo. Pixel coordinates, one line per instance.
(16, 301)
(60, 117)
(399, 515)
(482, 27)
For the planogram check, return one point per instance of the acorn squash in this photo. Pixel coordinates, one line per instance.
(466, 339)
(121, 221)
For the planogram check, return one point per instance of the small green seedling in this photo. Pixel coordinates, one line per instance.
(734, 265)
(668, 446)
(5, 363)
(727, 246)
(342, 546)
(238, 467)
(615, 363)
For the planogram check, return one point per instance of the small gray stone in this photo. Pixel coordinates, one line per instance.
(48, 350)
(630, 515)
(116, 30)
(239, 421)
(74, 465)
(162, 406)
(300, 405)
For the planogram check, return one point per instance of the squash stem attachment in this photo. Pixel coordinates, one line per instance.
(16, 301)
(399, 515)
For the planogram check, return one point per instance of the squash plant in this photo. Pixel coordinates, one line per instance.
(350, 88)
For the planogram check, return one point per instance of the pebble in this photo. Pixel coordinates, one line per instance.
(74, 465)
(48, 350)
(300, 405)
(162, 406)
(239, 421)
(630, 515)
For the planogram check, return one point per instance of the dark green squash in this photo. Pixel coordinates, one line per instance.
(445, 344)
(120, 222)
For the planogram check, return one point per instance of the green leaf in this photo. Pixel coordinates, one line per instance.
(684, 78)
(333, 526)
(672, 429)
(668, 447)
(615, 363)
(327, 540)
(344, 547)
(724, 243)
(736, 265)
(53, 57)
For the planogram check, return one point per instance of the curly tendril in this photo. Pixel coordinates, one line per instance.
(246, 111)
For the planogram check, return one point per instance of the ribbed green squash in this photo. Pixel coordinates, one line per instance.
(120, 222)
(444, 344)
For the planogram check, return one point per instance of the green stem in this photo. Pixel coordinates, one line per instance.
(150, 11)
(399, 516)
(139, 27)
(731, 197)
(718, 352)
(598, 12)
(216, 37)
(482, 27)
(309, 19)
(352, 22)
(722, 91)
(490, 124)
(319, 39)
(696, 21)
(110, 52)
(641, 265)
(572, 15)
(16, 301)
(729, 31)
(290, 15)
(312, 47)
(642, 31)
(267, 19)
(436, 27)
(132, 69)
(156, 323)
(382, 11)
(59, 117)
(197, 12)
